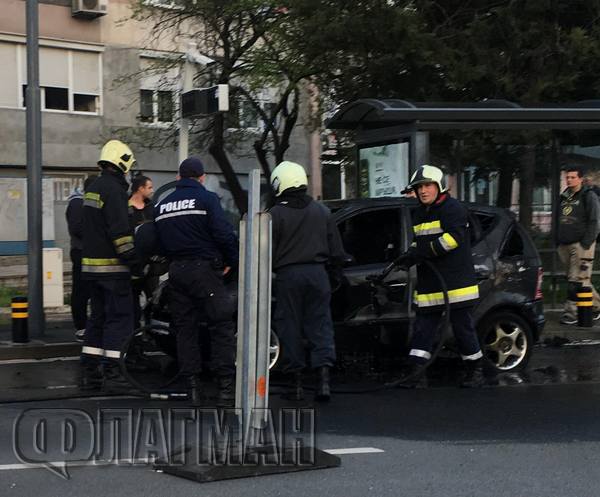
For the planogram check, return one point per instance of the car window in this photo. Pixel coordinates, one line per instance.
(486, 221)
(513, 246)
(373, 236)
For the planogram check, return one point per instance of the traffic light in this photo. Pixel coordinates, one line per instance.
(205, 101)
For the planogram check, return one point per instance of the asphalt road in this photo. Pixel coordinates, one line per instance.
(535, 434)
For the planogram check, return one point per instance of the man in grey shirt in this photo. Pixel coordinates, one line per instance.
(578, 222)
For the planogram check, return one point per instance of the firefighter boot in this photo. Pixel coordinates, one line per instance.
(473, 376)
(323, 391)
(410, 378)
(195, 393)
(226, 395)
(91, 377)
(114, 381)
(294, 391)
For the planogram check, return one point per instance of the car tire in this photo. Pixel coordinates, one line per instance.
(506, 340)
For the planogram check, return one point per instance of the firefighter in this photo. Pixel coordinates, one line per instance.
(108, 261)
(202, 248)
(305, 241)
(441, 235)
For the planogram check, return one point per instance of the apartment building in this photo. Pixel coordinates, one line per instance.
(94, 83)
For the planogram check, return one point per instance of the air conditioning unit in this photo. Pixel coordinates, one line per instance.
(89, 9)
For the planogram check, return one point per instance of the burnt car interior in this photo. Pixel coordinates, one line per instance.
(372, 237)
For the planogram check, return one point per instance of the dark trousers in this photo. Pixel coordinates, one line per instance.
(199, 295)
(302, 299)
(111, 319)
(80, 293)
(426, 331)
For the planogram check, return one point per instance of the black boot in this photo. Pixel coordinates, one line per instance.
(473, 376)
(294, 390)
(226, 395)
(195, 393)
(323, 391)
(411, 377)
(91, 377)
(114, 381)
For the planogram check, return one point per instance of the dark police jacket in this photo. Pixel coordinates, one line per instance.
(107, 237)
(442, 236)
(304, 232)
(579, 217)
(191, 224)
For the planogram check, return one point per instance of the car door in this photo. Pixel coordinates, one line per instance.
(373, 237)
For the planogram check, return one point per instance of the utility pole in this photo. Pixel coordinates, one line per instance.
(187, 85)
(35, 292)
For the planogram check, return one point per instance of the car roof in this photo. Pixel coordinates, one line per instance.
(342, 207)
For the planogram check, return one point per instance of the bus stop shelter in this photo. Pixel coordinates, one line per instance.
(379, 122)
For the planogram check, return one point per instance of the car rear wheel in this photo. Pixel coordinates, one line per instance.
(506, 340)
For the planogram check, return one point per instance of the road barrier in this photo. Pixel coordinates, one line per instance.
(19, 314)
(585, 302)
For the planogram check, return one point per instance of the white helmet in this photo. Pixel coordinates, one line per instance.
(288, 175)
(428, 174)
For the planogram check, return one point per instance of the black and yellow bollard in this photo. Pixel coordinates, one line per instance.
(18, 306)
(585, 301)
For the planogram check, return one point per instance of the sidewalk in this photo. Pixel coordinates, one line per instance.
(59, 338)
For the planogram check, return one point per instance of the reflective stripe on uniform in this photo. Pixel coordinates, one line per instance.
(112, 354)
(93, 265)
(454, 296)
(181, 213)
(448, 242)
(93, 200)
(420, 353)
(123, 244)
(472, 357)
(92, 350)
(431, 228)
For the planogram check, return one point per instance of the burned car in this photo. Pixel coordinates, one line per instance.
(509, 315)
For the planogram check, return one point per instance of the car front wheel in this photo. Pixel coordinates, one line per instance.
(506, 340)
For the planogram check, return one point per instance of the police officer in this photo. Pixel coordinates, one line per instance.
(202, 248)
(108, 258)
(441, 234)
(305, 240)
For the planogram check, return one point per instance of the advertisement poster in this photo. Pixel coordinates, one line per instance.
(387, 167)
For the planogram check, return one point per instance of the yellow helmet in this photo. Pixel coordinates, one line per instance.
(118, 154)
(288, 175)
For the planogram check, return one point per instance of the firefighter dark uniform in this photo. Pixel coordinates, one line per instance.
(305, 241)
(108, 253)
(200, 243)
(441, 235)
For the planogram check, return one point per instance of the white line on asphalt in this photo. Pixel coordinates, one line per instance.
(73, 464)
(355, 450)
(34, 361)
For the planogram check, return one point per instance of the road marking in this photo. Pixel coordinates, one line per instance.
(74, 464)
(36, 361)
(355, 450)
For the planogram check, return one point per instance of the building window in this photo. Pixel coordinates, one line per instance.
(158, 80)
(244, 115)
(156, 106)
(70, 80)
(56, 98)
